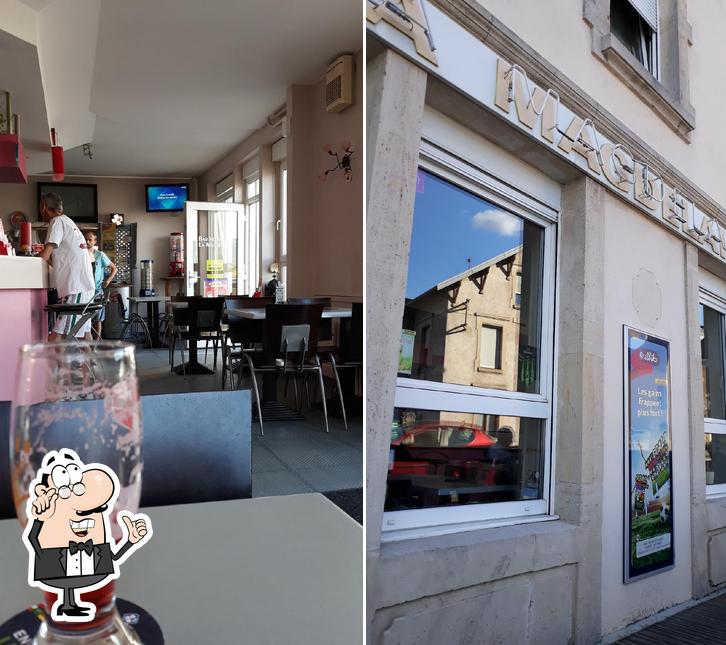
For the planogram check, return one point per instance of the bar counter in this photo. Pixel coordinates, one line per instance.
(23, 295)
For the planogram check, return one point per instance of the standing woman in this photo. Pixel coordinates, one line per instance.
(101, 262)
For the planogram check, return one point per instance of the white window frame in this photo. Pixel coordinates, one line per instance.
(252, 234)
(429, 395)
(708, 297)
(282, 222)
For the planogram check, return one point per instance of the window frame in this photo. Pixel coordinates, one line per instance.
(668, 93)
(429, 395)
(710, 425)
(252, 233)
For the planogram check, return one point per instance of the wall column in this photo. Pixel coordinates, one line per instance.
(699, 520)
(395, 101)
(580, 408)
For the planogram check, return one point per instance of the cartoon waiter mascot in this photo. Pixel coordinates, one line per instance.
(69, 540)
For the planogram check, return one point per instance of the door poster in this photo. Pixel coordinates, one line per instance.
(649, 531)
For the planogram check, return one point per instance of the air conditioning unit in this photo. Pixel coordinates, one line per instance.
(339, 84)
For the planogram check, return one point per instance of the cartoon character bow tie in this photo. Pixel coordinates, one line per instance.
(75, 547)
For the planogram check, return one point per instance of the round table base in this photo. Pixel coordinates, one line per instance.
(24, 627)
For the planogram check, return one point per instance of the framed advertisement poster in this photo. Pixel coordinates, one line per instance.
(649, 543)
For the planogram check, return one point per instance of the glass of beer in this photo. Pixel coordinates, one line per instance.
(83, 397)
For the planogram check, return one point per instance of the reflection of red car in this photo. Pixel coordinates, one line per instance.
(420, 448)
(439, 434)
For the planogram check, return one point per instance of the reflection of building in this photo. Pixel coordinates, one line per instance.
(467, 329)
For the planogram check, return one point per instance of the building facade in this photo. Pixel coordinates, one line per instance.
(546, 288)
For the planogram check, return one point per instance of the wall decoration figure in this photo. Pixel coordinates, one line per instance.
(342, 161)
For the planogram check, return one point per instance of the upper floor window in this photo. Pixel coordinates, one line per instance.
(645, 43)
(635, 23)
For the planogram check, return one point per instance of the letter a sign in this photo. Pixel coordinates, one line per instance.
(408, 17)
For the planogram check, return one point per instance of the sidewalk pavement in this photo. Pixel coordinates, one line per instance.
(704, 624)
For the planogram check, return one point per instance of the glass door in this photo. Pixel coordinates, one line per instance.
(218, 258)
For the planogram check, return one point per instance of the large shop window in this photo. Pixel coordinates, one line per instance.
(712, 314)
(472, 423)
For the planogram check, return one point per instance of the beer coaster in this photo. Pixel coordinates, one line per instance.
(23, 627)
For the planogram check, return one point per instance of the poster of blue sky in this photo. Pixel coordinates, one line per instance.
(649, 539)
(452, 230)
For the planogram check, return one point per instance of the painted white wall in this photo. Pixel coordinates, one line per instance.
(115, 195)
(632, 243)
(67, 35)
(19, 20)
(557, 31)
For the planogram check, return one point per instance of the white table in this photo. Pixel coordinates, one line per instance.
(275, 570)
(260, 314)
(149, 298)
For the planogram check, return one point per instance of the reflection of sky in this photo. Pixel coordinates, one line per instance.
(647, 430)
(449, 226)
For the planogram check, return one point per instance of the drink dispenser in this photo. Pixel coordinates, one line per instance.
(176, 255)
(147, 278)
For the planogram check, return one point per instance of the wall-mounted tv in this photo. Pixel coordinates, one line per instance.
(80, 201)
(165, 198)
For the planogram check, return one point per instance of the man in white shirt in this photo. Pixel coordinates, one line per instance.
(66, 251)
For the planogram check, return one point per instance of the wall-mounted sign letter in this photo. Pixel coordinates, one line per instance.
(409, 17)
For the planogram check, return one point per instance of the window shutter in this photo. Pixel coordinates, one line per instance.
(252, 167)
(648, 9)
(488, 348)
(224, 189)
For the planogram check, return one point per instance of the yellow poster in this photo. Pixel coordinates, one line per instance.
(215, 269)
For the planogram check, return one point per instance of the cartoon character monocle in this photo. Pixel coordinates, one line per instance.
(69, 539)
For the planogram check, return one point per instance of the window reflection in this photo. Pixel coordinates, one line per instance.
(715, 459)
(712, 361)
(473, 296)
(451, 458)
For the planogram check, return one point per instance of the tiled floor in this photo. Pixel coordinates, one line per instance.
(293, 456)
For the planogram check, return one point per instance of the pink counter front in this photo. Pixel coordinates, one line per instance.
(23, 295)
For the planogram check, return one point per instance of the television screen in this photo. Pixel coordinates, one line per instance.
(166, 197)
(80, 201)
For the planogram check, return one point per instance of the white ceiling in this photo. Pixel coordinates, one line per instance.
(176, 84)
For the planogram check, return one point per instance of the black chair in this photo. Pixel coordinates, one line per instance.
(203, 321)
(325, 331)
(350, 350)
(181, 465)
(132, 322)
(289, 347)
(84, 311)
(238, 332)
